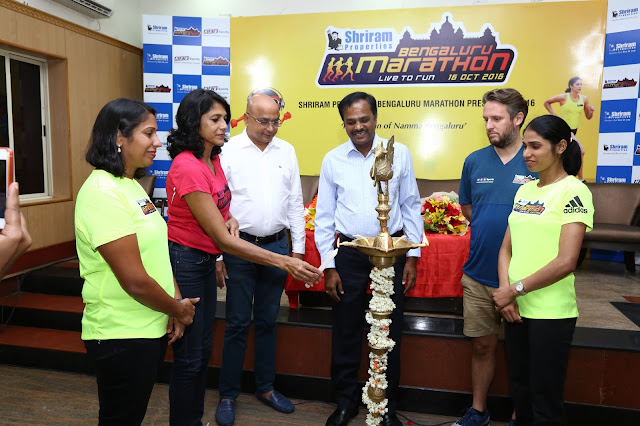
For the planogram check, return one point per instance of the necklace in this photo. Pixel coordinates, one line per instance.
(559, 177)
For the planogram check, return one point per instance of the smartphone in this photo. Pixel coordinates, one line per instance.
(6, 177)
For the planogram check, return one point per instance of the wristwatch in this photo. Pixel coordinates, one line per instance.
(520, 288)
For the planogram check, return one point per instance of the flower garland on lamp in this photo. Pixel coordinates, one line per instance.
(380, 308)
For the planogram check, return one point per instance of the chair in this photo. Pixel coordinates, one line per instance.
(147, 183)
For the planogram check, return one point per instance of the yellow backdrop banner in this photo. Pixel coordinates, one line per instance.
(428, 69)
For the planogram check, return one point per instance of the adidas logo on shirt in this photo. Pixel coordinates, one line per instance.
(575, 206)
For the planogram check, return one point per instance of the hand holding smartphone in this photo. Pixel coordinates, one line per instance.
(6, 177)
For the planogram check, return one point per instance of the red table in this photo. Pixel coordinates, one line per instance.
(439, 268)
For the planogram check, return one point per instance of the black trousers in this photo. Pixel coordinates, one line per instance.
(538, 354)
(348, 327)
(126, 370)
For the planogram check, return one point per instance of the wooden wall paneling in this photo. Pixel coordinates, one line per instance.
(8, 32)
(131, 74)
(86, 70)
(38, 35)
(91, 82)
(59, 128)
(50, 224)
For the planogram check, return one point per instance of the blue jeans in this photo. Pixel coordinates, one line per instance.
(261, 286)
(195, 273)
(126, 370)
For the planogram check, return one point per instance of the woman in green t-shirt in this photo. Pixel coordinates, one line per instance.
(132, 303)
(539, 253)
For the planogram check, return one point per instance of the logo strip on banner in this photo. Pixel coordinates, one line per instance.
(619, 141)
(181, 54)
(446, 55)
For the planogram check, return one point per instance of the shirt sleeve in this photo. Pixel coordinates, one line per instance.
(295, 212)
(578, 206)
(188, 177)
(464, 192)
(107, 216)
(409, 201)
(325, 229)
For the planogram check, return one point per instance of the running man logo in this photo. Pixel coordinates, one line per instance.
(446, 55)
(527, 207)
(575, 206)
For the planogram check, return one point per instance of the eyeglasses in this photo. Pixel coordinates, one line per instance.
(266, 123)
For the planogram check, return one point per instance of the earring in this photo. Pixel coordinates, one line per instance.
(119, 150)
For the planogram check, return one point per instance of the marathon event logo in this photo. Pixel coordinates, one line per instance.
(614, 84)
(445, 55)
(527, 207)
(146, 205)
(186, 32)
(216, 60)
(152, 88)
(522, 179)
(219, 61)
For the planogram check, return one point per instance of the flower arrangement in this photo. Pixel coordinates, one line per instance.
(442, 216)
(310, 214)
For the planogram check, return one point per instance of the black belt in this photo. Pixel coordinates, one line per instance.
(343, 238)
(263, 240)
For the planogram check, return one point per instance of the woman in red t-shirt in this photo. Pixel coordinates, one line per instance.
(200, 229)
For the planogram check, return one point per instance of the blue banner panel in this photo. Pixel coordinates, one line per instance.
(164, 117)
(622, 48)
(613, 174)
(187, 30)
(183, 84)
(216, 61)
(618, 116)
(157, 59)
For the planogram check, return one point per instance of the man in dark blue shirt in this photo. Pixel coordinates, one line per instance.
(490, 178)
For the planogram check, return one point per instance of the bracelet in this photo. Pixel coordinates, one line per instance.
(179, 300)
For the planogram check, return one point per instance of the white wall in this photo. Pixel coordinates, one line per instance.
(125, 22)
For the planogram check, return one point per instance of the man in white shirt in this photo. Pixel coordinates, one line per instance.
(346, 207)
(264, 179)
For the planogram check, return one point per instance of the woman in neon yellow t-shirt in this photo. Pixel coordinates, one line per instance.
(572, 103)
(132, 303)
(539, 253)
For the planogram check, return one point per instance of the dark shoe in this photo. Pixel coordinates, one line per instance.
(341, 416)
(277, 401)
(391, 420)
(226, 412)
